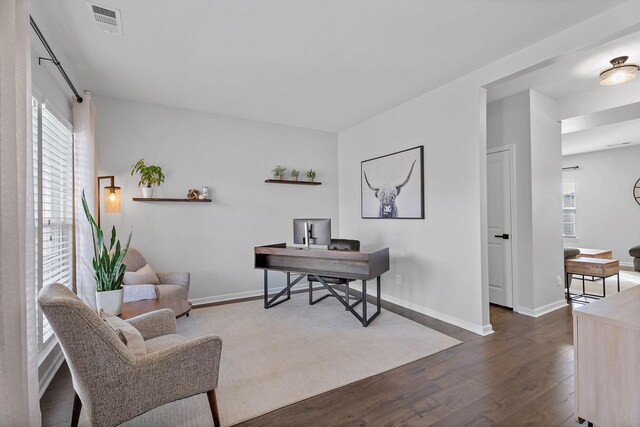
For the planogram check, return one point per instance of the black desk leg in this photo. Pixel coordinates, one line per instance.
(566, 278)
(266, 289)
(604, 290)
(618, 276)
(288, 285)
(365, 322)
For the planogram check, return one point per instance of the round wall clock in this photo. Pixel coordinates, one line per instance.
(636, 191)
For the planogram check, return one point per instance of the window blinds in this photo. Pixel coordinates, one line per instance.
(53, 197)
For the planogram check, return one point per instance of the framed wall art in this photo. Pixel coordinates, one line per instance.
(392, 186)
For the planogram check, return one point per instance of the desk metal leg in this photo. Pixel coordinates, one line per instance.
(266, 289)
(364, 303)
(566, 278)
(604, 290)
(268, 303)
(618, 276)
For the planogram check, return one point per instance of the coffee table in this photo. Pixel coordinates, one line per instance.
(595, 267)
(135, 308)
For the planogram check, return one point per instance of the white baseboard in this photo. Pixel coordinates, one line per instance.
(248, 294)
(476, 329)
(57, 357)
(626, 266)
(542, 310)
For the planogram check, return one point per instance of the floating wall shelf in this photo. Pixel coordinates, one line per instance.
(154, 199)
(288, 181)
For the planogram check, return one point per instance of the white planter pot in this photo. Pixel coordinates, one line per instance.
(110, 301)
(147, 192)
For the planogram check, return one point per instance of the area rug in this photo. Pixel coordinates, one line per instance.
(273, 358)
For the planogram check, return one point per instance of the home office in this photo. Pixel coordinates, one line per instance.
(241, 117)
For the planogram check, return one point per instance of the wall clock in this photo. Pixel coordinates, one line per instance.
(636, 191)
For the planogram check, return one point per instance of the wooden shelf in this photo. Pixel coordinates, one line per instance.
(288, 181)
(154, 199)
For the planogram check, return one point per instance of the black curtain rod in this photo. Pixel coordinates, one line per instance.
(570, 168)
(54, 59)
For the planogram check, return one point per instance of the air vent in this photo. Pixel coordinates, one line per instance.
(106, 19)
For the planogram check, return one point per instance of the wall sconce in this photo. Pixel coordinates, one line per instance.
(111, 197)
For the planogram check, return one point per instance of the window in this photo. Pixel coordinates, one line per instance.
(569, 208)
(53, 204)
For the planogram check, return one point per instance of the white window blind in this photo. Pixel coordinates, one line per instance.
(569, 208)
(53, 201)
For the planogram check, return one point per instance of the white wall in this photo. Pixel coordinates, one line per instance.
(546, 200)
(528, 121)
(213, 241)
(439, 258)
(606, 213)
(46, 87)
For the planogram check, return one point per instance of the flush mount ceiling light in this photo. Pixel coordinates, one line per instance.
(619, 72)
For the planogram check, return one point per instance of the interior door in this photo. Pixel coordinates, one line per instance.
(499, 181)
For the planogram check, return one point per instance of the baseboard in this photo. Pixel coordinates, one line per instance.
(46, 377)
(476, 329)
(542, 310)
(628, 266)
(243, 295)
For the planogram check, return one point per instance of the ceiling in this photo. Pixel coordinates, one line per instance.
(575, 73)
(323, 64)
(602, 137)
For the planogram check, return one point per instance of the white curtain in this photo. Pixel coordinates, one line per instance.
(19, 403)
(84, 139)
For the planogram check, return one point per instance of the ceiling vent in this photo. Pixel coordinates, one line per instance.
(619, 144)
(106, 19)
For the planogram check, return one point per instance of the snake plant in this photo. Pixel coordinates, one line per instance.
(107, 263)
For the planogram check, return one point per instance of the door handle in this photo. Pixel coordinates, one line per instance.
(504, 236)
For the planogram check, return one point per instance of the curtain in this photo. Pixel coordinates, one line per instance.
(84, 140)
(19, 398)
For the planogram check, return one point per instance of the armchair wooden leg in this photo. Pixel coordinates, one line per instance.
(213, 405)
(77, 407)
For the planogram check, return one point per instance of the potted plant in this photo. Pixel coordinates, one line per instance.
(149, 176)
(311, 174)
(107, 266)
(278, 172)
(294, 174)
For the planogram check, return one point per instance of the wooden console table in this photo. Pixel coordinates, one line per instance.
(357, 265)
(606, 336)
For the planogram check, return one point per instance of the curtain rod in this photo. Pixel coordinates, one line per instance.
(571, 168)
(54, 59)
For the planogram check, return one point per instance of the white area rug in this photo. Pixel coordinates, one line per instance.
(276, 357)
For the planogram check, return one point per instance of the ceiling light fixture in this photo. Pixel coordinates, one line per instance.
(619, 72)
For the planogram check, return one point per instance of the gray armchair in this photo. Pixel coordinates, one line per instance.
(171, 284)
(110, 382)
(635, 253)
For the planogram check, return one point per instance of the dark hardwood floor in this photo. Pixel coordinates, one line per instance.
(522, 375)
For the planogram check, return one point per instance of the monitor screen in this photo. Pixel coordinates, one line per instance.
(320, 231)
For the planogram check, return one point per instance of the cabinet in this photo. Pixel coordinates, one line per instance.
(606, 336)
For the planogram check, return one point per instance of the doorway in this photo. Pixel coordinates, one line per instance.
(500, 198)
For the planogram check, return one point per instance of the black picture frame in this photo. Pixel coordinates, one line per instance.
(385, 179)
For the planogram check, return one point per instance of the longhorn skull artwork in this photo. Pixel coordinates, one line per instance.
(387, 194)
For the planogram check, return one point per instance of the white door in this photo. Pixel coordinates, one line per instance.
(499, 179)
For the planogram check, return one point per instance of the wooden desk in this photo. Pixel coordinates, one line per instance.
(595, 267)
(357, 265)
(606, 336)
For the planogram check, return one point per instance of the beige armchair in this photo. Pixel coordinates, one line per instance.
(110, 382)
(171, 284)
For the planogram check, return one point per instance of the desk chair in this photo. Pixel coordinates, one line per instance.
(336, 245)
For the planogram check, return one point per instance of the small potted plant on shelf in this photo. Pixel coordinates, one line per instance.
(149, 176)
(107, 266)
(278, 172)
(311, 174)
(294, 174)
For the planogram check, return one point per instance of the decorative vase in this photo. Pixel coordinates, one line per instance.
(311, 179)
(295, 178)
(110, 301)
(147, 192)
(280, 177)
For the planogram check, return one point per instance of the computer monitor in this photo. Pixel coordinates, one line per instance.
(320, 231)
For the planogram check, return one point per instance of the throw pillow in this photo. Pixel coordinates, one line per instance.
(144, 276)
(129, 335)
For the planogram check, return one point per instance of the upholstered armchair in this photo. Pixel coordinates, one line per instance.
(111, 383)
(635, 253)
(171, 284)
(335, 245)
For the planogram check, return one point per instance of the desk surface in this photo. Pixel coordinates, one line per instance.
(360, 265)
